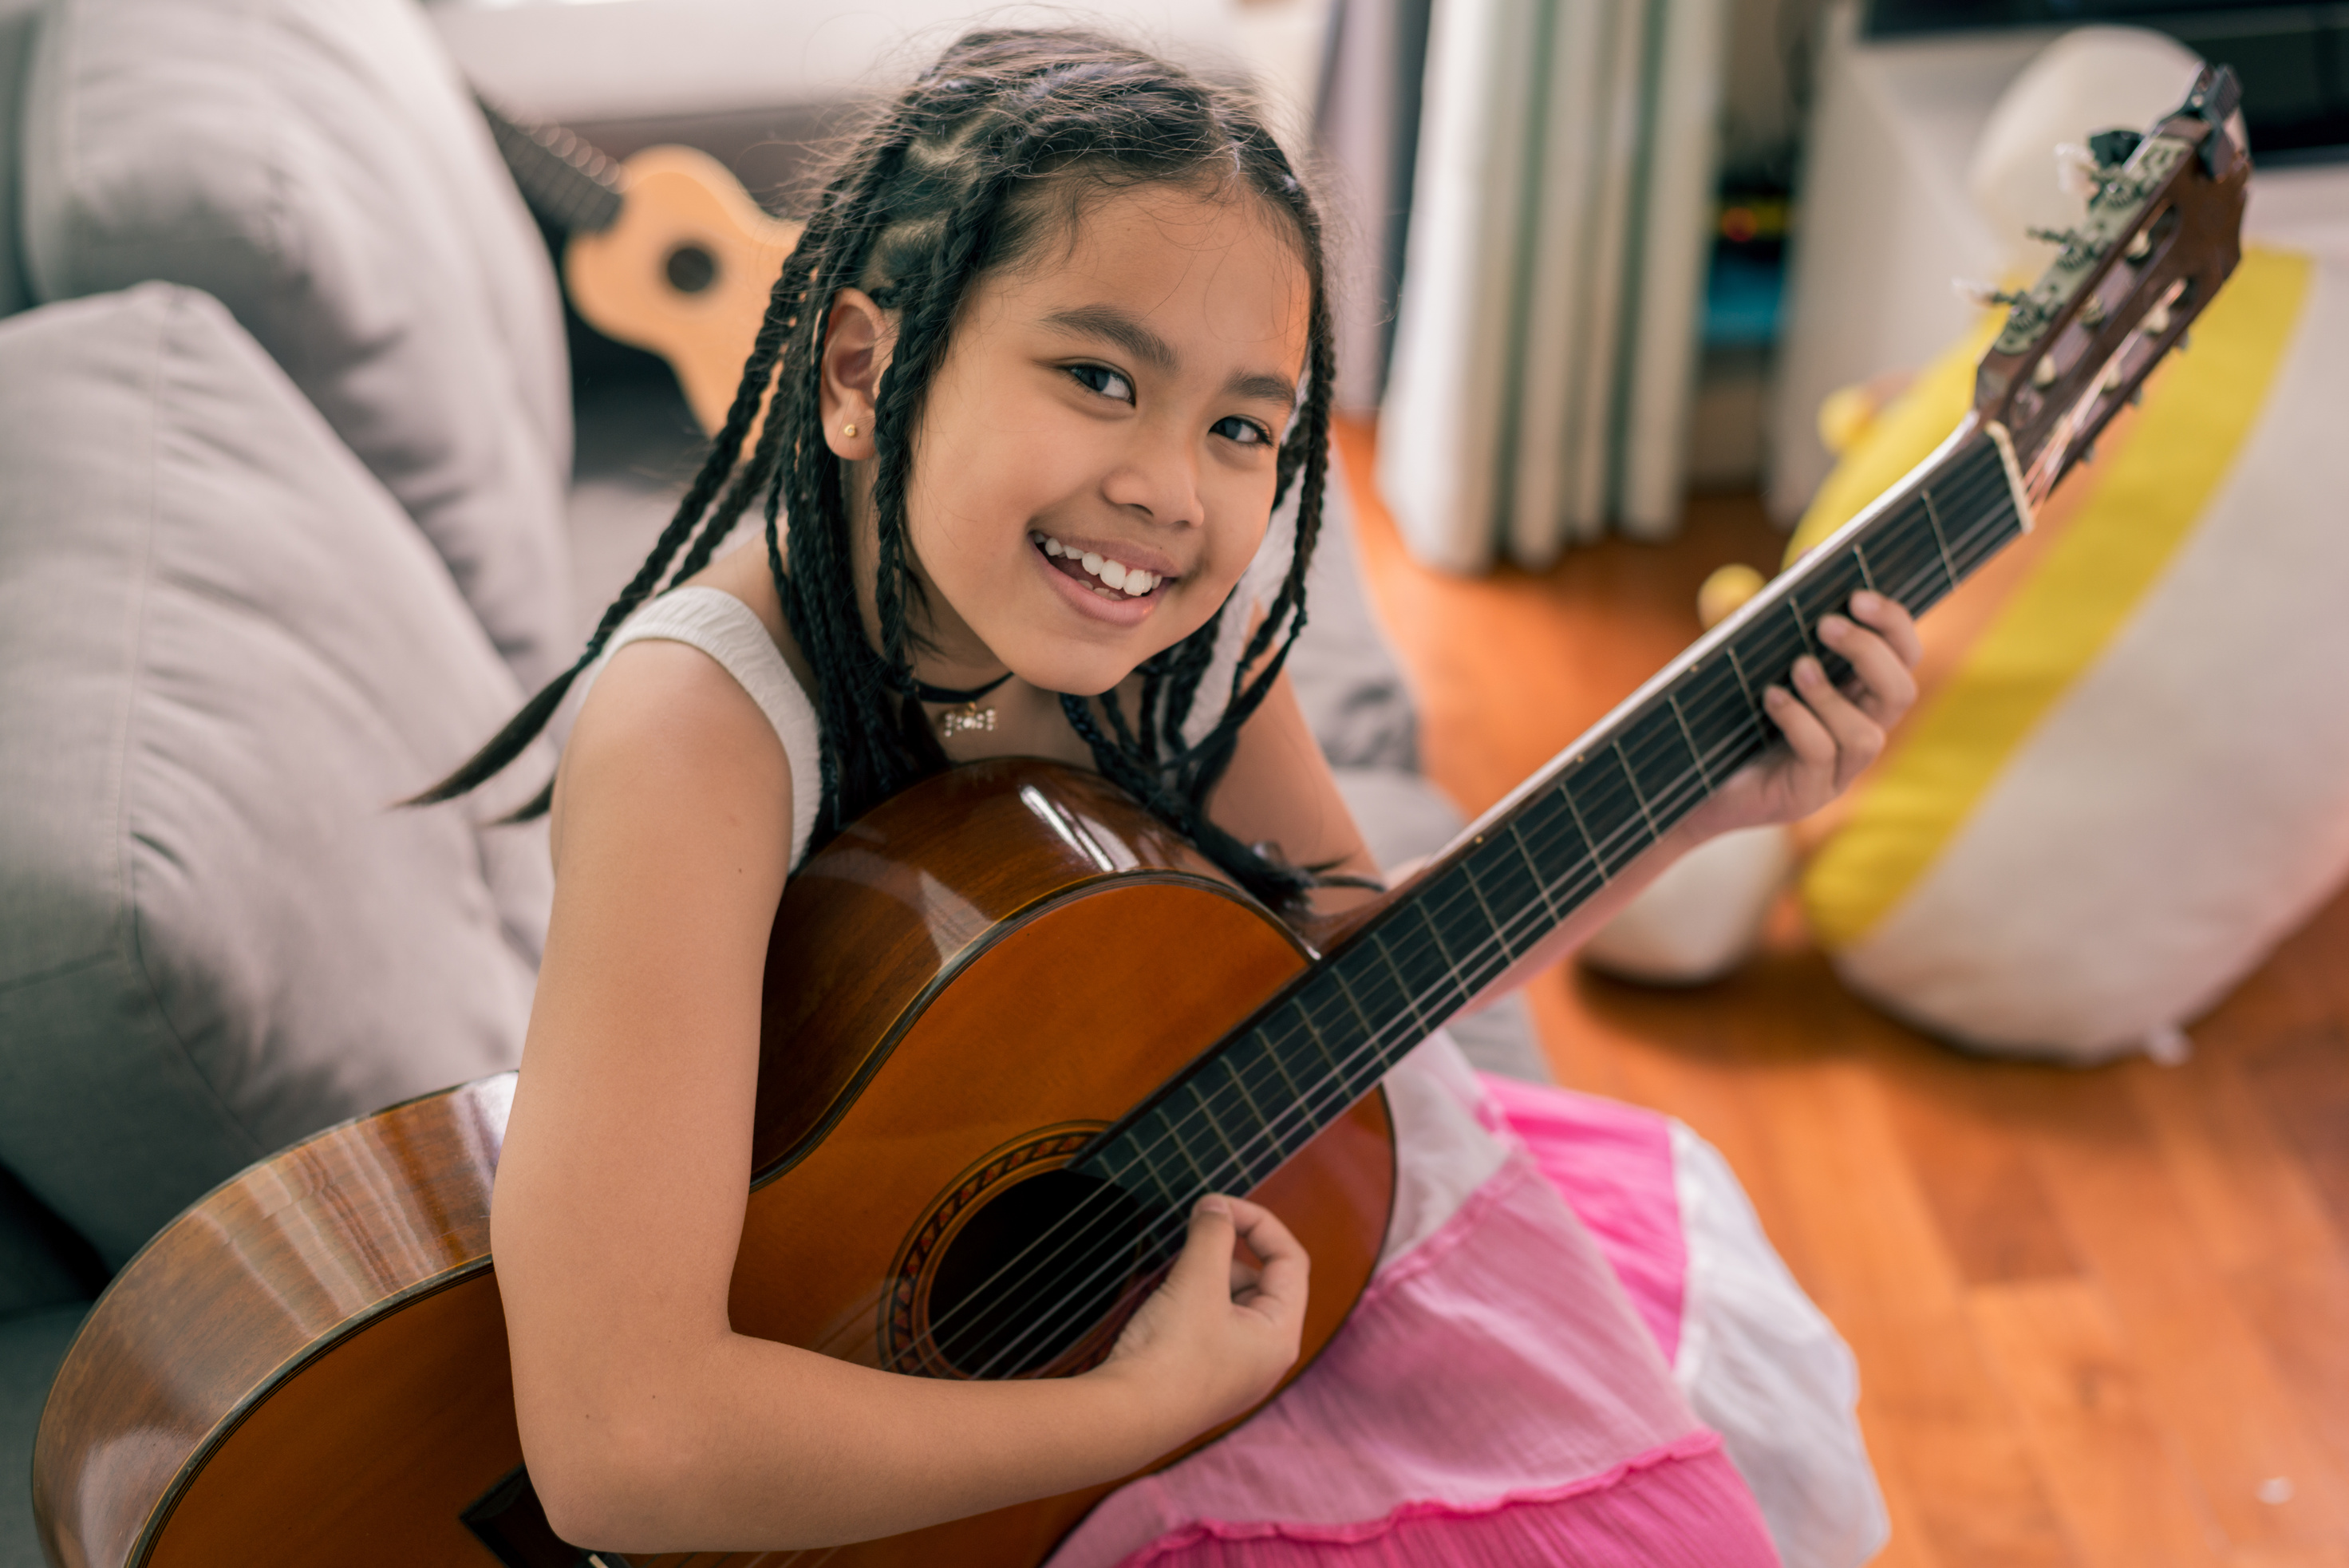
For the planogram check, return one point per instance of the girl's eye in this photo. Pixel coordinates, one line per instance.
(1246, 432)
(1104, 380)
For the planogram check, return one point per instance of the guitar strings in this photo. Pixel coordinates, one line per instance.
(1380, 1037)
(1920, 579)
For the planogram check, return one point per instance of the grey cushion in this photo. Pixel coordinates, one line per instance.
(317, 165)
(31, 1344)
(19, 20)
(223, 653)
(1347, 679)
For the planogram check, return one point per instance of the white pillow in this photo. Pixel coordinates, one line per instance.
(317, 167)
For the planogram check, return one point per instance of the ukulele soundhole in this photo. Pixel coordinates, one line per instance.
(690, 268)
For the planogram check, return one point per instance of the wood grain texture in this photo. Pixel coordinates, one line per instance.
(2099, 1315)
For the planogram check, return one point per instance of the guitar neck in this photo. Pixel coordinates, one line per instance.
(1523, 870)
(571, 187)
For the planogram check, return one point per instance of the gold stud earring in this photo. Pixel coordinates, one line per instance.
(849, 431)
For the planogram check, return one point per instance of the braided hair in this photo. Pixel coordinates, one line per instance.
(952, 180)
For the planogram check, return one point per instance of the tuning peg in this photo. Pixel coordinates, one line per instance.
(2136, 394)
(2140, 247)
(2077, 171)
(2157, 321)
(1983, 293)
(2042, 375)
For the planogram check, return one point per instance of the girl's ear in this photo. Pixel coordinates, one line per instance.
(857, 337)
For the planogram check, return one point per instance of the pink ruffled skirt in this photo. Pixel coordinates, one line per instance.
(1504, 1392)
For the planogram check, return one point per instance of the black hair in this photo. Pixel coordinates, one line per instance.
(951, 182)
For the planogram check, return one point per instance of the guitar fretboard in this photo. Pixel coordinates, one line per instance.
(1230, 1119)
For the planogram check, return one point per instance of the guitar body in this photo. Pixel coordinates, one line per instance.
(684, 271)
(310, 1366)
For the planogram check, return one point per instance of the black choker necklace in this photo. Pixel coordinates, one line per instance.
(963, 715)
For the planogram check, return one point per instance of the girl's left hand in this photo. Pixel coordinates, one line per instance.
(1830, 736)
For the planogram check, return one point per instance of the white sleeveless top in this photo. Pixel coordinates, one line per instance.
(731, 632)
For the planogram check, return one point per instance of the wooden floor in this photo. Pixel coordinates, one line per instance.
(2102, 1317)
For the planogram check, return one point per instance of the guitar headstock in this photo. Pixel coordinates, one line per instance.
(2163, 230)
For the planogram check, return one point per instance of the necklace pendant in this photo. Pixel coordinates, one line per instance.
(968, 720)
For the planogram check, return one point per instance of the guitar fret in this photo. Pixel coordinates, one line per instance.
(1207, 1183)
(1589, 845)
(1318, 1043)
(1737, 668)
(1860, 555)
(1207, 1115)
(1386, 956)
(1346, 994)
(1469, 872)
(1802, 630)
(1652, 833)
(1273, 1055)
(1695, 752)
(1933, 516)
(1533, 868)
(1239, 1082)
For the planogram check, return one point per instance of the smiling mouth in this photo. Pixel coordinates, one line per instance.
(1110, 578)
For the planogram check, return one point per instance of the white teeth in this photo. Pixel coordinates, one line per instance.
(1118, 580)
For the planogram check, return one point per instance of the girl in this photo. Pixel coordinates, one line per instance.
(1052, 348)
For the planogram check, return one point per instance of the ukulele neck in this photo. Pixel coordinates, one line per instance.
(1432, 946)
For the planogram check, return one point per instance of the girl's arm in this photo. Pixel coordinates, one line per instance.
(1280, 787)
(647, 1422)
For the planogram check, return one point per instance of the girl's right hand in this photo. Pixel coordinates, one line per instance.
(1216, 1335)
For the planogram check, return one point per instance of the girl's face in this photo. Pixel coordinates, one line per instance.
(1096, 465)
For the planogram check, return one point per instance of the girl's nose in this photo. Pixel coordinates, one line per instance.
(1159, 477)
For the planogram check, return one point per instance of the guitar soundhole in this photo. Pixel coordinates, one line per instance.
(1028, 1281)
(691, 269)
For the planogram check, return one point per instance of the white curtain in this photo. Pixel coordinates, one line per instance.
(1545, 351)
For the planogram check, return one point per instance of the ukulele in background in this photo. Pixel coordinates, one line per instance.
(665, 250)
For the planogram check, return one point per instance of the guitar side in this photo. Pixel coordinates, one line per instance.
(310, 1364)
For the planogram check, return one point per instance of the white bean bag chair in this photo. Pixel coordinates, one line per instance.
(2129, 776)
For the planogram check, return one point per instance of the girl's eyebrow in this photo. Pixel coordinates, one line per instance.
(1261, 386)
(1133, 335)
(1128, 331)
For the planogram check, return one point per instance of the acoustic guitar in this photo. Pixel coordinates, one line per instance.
(664, 250)
(960, 1171)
